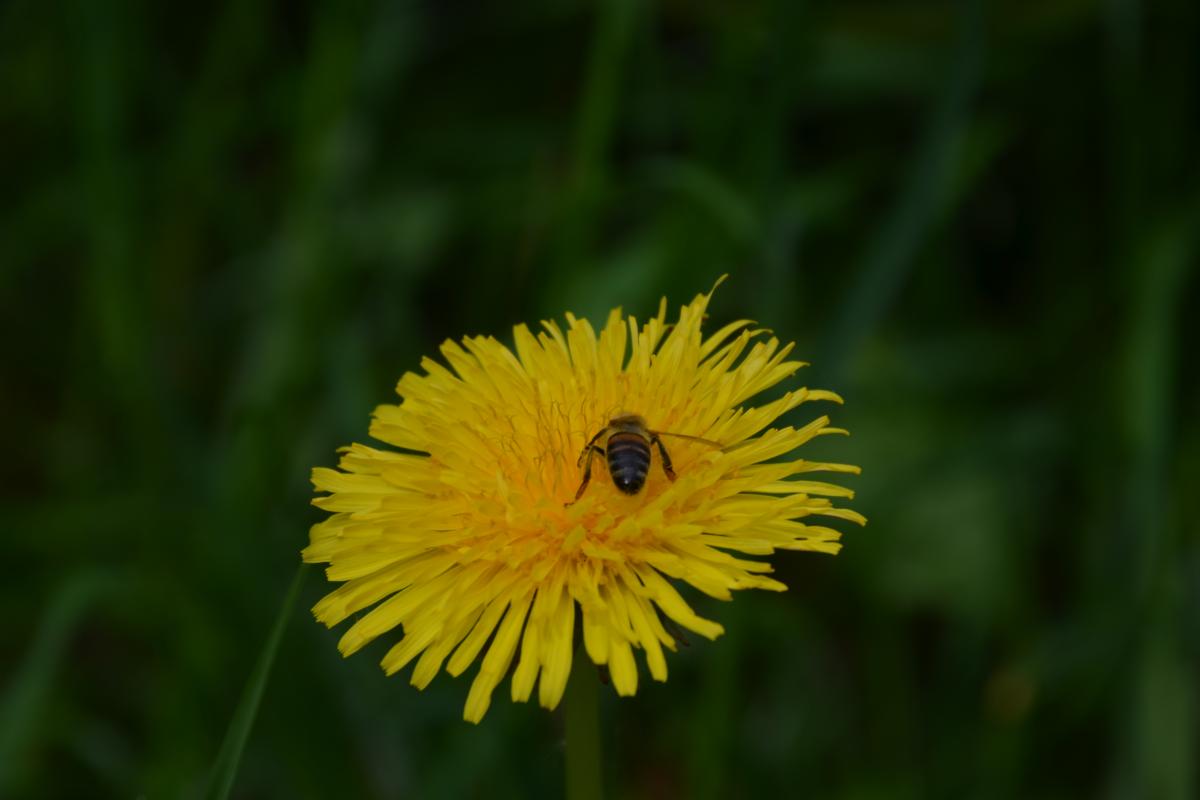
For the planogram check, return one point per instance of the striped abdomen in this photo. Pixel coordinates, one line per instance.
(628, 461)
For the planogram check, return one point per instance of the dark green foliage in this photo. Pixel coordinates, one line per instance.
(227, 230)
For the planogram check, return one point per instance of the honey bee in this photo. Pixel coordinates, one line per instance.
(626, 448)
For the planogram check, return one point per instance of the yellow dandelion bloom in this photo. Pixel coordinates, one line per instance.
(469, 539)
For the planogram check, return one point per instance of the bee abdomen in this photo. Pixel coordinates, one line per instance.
(628, 461)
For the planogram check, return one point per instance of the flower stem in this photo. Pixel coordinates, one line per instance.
(583, 732)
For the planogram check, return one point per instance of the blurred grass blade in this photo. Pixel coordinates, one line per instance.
(892, 251)
(31, 684)
(226, 766)
(594, 130)
(1163, 690)
(725, 204)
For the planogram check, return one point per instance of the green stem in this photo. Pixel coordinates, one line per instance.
(583, 732)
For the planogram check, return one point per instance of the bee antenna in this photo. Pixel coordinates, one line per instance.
(700, 439)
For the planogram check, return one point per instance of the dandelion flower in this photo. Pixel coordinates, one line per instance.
(467, 537)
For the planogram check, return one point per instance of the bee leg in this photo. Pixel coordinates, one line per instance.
(666, 459)
(589, 453)
(587, 448)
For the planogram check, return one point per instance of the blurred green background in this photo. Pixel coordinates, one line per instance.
(228, 229)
